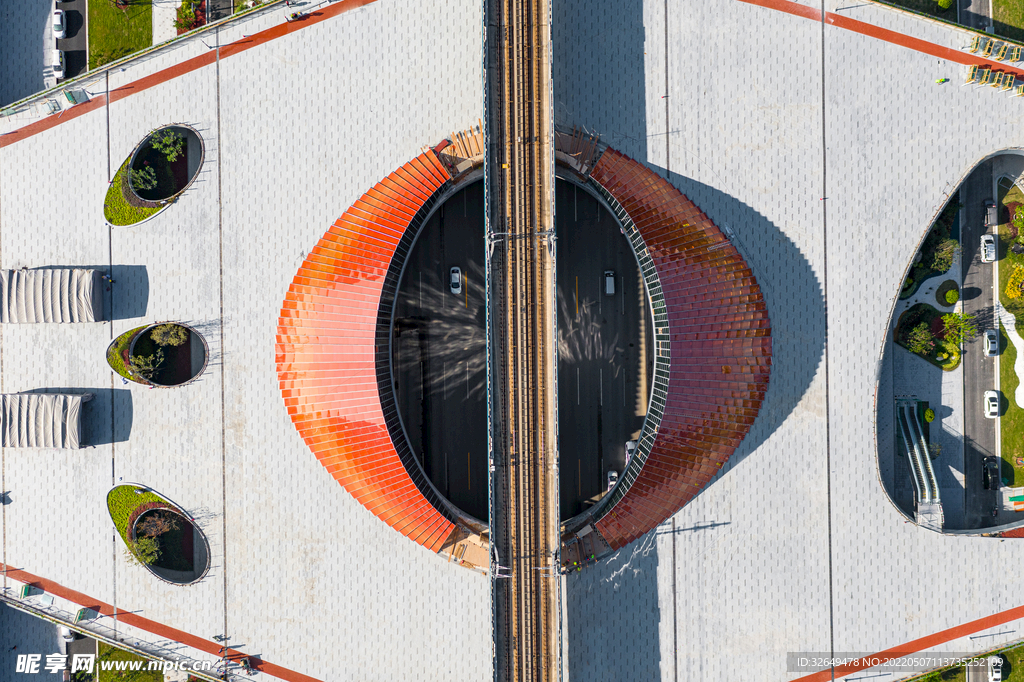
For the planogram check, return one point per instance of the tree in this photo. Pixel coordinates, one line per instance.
(958, 328)
(169, 334)
(169, 143)
(920, 340)
(946, 251)
(143, 178)
(156, 524)
(144, 550)
(147, 365)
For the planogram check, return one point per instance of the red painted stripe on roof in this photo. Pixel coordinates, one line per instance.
(151, 626)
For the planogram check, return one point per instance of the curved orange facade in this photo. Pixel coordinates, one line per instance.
(712, 327)
(329, 346)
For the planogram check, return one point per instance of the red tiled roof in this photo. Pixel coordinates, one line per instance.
(326, 347)
(720, 354)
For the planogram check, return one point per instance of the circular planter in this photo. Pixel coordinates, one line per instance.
(172, 179)
(128, 503)
(187, 362)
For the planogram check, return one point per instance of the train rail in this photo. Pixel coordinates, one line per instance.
(520, 185)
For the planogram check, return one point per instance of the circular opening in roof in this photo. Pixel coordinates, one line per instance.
(167, 354)
(439, 353)
(165, 163)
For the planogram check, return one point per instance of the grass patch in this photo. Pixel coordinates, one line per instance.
(1008, 19)
(929, 7)
(115, 32)
(116, 351)
(116, 208)
(105, 652)
(1011, 423)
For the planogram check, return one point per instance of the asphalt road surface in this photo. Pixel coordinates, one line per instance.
(978, 370)
(438, 350)
(76, 59)
(603, 366)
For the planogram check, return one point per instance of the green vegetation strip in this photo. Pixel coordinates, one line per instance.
(127, 659)
(1011, 422)
(117, 32)
(115, 353)
(1008, 18)
(116, 208)
(123, 500)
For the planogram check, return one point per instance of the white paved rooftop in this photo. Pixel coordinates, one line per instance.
(793, 547)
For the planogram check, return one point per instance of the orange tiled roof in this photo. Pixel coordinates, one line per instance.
(327, 346)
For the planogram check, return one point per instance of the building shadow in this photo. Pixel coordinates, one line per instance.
(22, 59)
(106, 419)
(128, 297)
(792, 294)
(614, 616)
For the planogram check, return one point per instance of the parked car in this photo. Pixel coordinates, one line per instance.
(991, 217)
(988, 248)
(991, 343)
(66, 634)
(995, 668)
(990, 475)
(991, 404)
(57, 61)
(609, 282)
(613, 477)
(59, 24)
(630, 449)
(455, 280)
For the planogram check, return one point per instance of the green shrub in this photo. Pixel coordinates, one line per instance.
(920, 339)
(143, 178)
(145, 550)
(169, 334)
(929, 415)
(952, 296)
(116, 208)
(168, 142)
(148, 365)
(945, 4)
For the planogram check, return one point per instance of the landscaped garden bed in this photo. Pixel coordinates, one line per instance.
(158, 534)
(163, 166)
(938, 251)
(106, 652)
(121, 207)
(924, 331)
(167, 354)
(1011, 275)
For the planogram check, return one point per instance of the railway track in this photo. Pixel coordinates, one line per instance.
(520, 180)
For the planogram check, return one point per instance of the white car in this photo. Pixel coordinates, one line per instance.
(66, 634)
(630, 449)
(455, 280)
(613, 477)
(59, 24)
(58, 63)
(991, 404)
(995, 668)
(988, 248)
(991, 343)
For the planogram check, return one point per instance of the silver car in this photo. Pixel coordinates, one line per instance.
(988, 248)
(59, 24)
(455, 280)
(991, 343)
(613, 478)
(991, 404)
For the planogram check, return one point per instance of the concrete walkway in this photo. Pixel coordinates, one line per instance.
(164, 14)
(926, 293)
(1010, 324)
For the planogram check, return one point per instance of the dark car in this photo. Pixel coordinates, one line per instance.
(991, 474)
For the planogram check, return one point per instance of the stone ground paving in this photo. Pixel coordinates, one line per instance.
(828, 194)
